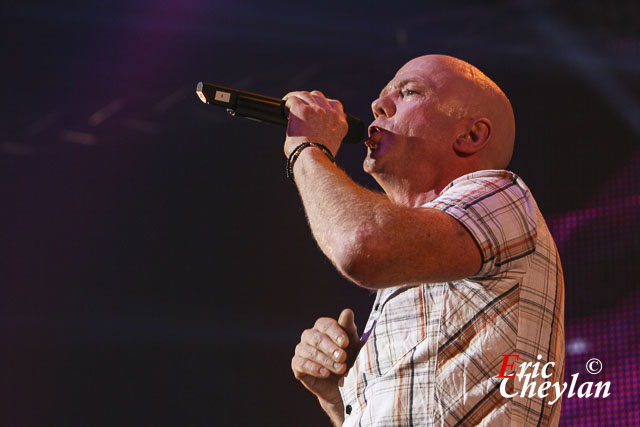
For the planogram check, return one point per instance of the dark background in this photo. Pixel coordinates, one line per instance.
(156, 265)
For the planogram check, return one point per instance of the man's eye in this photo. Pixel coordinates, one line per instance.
(407, 92)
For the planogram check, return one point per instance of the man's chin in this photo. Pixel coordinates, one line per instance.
(369, 164)
(374, 162)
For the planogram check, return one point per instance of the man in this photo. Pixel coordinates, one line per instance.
(465, 269)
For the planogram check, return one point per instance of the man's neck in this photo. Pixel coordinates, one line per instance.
(403, 193)
(411, 199)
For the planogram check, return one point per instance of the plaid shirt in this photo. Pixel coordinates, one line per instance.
(432, 352)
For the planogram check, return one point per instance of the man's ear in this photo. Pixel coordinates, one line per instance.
(477, 135)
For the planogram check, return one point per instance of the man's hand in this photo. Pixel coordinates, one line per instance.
(314, 118)
(325, 354)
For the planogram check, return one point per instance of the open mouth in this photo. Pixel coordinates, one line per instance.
(375, 135)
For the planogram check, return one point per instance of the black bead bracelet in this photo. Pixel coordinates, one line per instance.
(296, 152)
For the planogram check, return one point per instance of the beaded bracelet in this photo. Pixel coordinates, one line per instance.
(296, 152)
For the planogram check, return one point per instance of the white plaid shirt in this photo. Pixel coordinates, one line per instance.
(432, 352)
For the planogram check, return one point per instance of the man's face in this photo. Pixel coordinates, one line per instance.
(415, 123)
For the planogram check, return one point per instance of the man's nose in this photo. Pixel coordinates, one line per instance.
(383, 106)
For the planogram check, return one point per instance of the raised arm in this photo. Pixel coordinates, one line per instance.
(371, 240)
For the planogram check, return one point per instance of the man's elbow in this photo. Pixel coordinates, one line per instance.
(360, 263)
(364, 275)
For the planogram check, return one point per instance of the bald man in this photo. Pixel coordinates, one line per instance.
(468, 279)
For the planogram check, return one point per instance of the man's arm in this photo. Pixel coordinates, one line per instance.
(334, 411)
(375, 242)
(371, 240)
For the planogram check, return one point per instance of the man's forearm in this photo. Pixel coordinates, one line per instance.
(375, 242)
(335, 411)
(341, 213)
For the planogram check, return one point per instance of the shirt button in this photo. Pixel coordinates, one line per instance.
(348, 409)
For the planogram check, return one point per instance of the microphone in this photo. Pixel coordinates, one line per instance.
(262, 108)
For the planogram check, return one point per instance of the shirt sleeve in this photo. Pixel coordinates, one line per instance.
(499, 212)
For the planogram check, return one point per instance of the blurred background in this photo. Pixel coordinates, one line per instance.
(157, 268)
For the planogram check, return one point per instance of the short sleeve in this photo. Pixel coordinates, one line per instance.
(497, 209)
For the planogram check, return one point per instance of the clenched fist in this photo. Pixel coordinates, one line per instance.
(314, 118)
(325, 354)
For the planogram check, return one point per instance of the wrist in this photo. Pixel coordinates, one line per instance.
(335, 410)
(331, 404)
(306, 150)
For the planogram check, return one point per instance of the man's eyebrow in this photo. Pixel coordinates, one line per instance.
(398, 85)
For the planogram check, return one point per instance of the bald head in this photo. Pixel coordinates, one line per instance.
(468, 94)
(438, 119)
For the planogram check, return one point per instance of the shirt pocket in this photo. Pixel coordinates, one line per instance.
(402, 325)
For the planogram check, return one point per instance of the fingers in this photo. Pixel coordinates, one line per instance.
(329, 347)
(302, 366)
(294, 102)
(327, 104)
(304, 97)
(336, 105)
(321, 100)
(346, 318)
(321, 350)
(321, 360)
(314, 98)
(332, 329)
(347, 322)
(320, 341)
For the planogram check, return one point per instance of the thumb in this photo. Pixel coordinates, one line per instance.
(347, 322)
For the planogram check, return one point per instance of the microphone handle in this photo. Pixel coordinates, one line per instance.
(263, 108)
